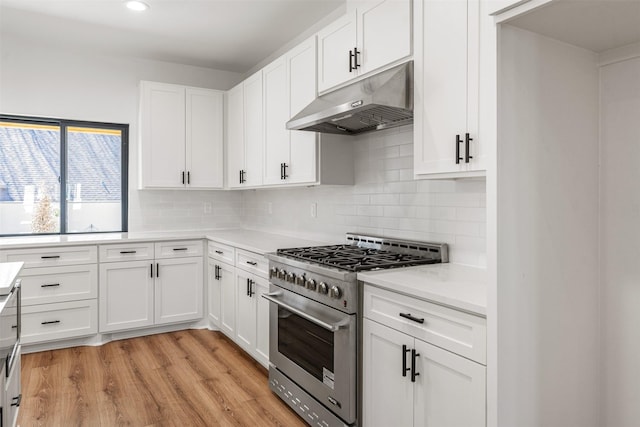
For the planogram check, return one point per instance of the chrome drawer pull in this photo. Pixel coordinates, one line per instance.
(51, 322)
(127, 252)
(252, 263)
(219, 252)
(50, 257)
(50, 285)
(180, 249)
(410, 317)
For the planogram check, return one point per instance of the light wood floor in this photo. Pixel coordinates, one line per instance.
(185, 378)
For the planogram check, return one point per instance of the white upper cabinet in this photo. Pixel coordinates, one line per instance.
(253, 130)
(289, 86)
(204, 138)
(245, 133)
(384, 33)
(374, 35)
(162, 126)
(446, 140)
(180, 137)
(234, 126)
(336, 44)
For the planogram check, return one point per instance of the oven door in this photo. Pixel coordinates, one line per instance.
(315, 346)
(10, 328)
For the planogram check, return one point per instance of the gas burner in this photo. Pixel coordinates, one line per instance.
(367, 255)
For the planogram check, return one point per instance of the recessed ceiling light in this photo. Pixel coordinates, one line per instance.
(137, 5)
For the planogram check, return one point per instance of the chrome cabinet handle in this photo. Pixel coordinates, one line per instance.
(128, 252)
(50, 322)
(50, 285)
(252, 263)
(50, 257)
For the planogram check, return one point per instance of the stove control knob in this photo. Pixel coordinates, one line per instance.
(323, 288)
(311, 284)
(281, 274)
(300, 280)
(291, 278)
(273, 272)
(335, 292)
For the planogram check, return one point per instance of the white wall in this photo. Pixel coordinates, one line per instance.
(385, 200)
(547, 243)
(620, 241)
(41, 80)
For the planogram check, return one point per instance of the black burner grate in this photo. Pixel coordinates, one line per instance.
(354, 258)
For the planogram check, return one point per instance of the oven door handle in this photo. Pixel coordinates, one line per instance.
(328, 326)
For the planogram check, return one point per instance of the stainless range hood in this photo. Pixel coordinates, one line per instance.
(382, 101)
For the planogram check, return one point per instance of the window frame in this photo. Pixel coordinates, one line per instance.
(64, 124)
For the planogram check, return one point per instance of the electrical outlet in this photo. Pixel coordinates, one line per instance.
(314, 210)
(270, 208)
(207, 207)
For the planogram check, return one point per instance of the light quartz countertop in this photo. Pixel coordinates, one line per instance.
(8, 273)
(453, 285)
(251, 240)
(259, 241)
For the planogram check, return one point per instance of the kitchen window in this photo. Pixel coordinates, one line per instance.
(62, 176)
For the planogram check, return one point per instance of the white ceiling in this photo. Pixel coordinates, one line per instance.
(597, 25)
(232, 35)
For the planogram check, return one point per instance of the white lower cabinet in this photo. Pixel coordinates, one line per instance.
(237, 281)
(11, 395)
(423, 363)
(252, 315)
(178, 290)
(448, 390)
(126, 295)
(136, 294)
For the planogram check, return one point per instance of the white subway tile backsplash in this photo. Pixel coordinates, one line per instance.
(385, 200)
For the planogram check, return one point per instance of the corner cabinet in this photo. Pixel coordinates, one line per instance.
(425, 368)
(146, 284)
(373, 35)
(289, 86)
(447, 40)
(245, 133)
(181, 137)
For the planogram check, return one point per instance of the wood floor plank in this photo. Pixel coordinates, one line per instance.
(184, 378)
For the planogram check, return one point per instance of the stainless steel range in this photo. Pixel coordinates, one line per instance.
(314, 318)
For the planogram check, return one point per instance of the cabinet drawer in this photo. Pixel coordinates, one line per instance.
(45, 257)
(179, 248)
(50, 322)
(59, 284)
(453, 330)
(252, 262)
(222, 252)
(126, 252)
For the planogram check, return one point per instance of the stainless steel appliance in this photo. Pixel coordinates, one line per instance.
(381, 101)
(314, 318)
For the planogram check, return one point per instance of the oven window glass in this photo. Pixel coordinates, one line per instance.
(305, 343)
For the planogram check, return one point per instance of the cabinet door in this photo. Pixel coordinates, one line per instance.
(384, 31)
(387, 394)
(228, 300)
(446, 73)
(450, 390)
(214, 291)
(245, 312)
(235, 135)
(204, 138)
(178, 290)
(162, 141)
(334, 43)
(11, 401)
(126, 295)
(276, 114)
(260, 287)
(253, 129)
(302, 91)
